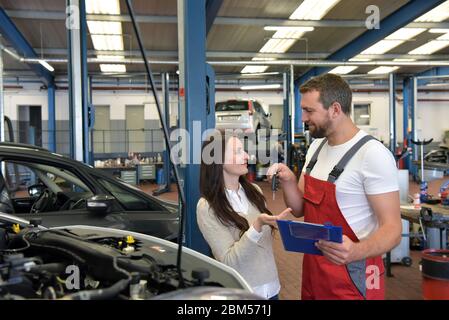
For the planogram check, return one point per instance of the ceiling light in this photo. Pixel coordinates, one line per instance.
(110, 58)
(262, 86)
(404, 60)
(103, 6)
(254, 69)
(393, 40)
(405, 33)
(383, 70)
(46, 65)
(288, 28)
(261, 74)
(364, 116)
(437, 14)
(437, 84)
(430, 47)
(104, 27)
(438, 30)
(113, 68)
(107, 42)
(277, 45)
(313, 9)
(263, 59)
(343, 69)
(357, 59)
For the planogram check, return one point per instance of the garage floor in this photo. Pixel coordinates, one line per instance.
(404, 285)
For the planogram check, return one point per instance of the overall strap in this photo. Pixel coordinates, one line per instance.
(340, 166)
(314, 158)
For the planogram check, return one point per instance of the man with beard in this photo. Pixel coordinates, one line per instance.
(349, 180)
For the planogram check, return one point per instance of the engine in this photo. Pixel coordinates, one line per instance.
(57, 264)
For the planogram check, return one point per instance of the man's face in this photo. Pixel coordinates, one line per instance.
(315, 115)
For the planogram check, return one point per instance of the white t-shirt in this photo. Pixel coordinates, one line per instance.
(372, 170)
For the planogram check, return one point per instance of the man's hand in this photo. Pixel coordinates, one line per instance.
(340, 253)
(284, 173)
(266, 219)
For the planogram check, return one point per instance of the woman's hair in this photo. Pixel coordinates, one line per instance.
(213, 189)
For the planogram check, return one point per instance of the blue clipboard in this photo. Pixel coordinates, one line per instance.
(301, 236)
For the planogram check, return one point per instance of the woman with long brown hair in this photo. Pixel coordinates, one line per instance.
(233, 217)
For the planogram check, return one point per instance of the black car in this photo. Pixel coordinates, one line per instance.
(36, 183)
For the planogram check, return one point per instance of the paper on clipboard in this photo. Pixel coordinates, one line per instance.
(301, 236)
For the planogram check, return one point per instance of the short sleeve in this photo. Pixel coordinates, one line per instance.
(380, 174)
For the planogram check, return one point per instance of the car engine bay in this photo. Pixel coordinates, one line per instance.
(60, 264)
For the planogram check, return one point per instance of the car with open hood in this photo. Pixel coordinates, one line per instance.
(91, 263)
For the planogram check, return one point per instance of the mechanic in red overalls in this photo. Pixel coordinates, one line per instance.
(349, 180)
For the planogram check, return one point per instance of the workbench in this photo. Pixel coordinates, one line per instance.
(428, 216)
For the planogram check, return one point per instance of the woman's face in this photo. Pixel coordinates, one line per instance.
(236, 159)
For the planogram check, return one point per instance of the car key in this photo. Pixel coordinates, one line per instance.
(274, 184)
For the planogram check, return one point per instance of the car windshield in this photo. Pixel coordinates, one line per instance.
(231, 106)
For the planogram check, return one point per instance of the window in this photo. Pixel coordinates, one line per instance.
(127, 199)
(362, 114)
(19, 176)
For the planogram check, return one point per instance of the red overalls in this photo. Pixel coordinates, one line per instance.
(322, 279)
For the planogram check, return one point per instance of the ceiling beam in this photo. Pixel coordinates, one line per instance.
(398, 19)
(242, 54)
(15, 38)
(212, 8)
(59, 15)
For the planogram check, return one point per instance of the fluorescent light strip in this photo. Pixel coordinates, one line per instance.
(393, 40)
(430, 47)
(404, 60)
(359, 59)
(438, 30)
(254, 69)
(107, 42)
(313, 9)
(104, 27)
(262, 59)
(113, 68)
(264, 86)
(288, 28)
(383, 70)
(103, 6)
(46, 65)
(343, 69)
(437, 14)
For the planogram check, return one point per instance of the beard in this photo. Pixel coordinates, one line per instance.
(320, 131)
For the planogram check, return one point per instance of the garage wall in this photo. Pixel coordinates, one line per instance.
(431, 120)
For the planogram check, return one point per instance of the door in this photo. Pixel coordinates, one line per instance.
(135, 126)
(30, 125)
(102, 130)
(277, 116)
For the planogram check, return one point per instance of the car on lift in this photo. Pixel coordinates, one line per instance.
(94, 263)
(247, 115)
(36, 183)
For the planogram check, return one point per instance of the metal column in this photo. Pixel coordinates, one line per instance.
(405, 118)
(413, 116)
(51, 118)
(392, 111)
(292, 102)
(165, 79)
(192, 94)
(299, 126)
(77, 71)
